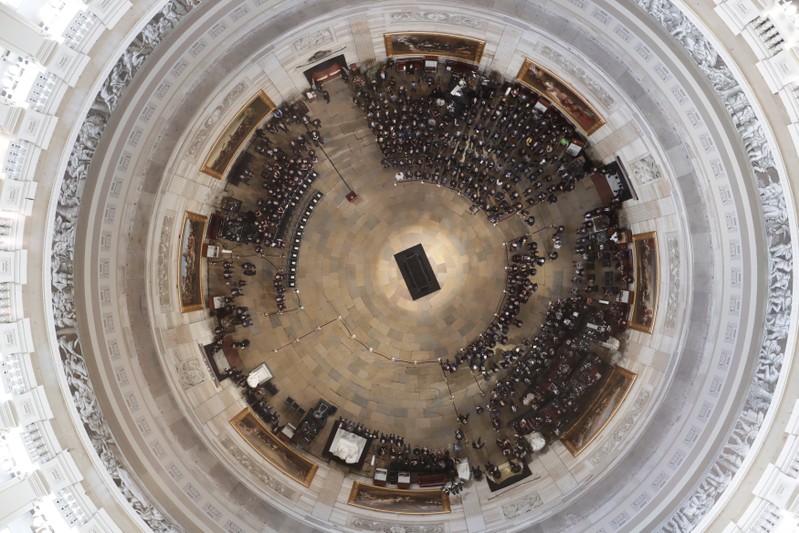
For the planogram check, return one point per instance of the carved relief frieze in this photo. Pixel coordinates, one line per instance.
(579, 73)
(218, 112)
(191, 373)
(438, 17)
(522, 506)
(163, 260)
(63, 255)
(313, 40)
(673, 299)
(699, 501)
(646, 170)
(370, 524)
(256, 471)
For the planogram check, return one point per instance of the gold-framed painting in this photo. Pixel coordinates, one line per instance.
(645, 269)
(270, 447)
(561, 94)
(190, 288)
(417, 43)
(399, 501)
(594, 419)
(234, 136)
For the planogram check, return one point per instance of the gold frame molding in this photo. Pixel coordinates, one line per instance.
(620, 381)
(235, 135)
(266, 440)
(397, 495)
(189, 220)
(557, 91)
(445, 39)
(637, 295)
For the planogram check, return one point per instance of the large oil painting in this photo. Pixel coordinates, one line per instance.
(645, 266)
(434, 44)
(602, 409)
(270, 447)
(189, 271)
(561, 95)
(399, 501)
(235, 135)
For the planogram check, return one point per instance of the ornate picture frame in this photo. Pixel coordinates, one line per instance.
(270, 447)
(646, 269)
(235, 135)
(562, 95)
(190, 280)
(417, 43)
(399, 501)
(591, 423)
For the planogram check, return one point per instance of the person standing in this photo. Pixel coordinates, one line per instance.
(326, 96)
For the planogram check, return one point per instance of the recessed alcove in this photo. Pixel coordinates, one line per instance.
(123, 368)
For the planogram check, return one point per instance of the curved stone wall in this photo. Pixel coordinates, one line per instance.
(147, 177)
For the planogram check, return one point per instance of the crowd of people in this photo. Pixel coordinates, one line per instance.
(259, 402)
(229, 313)
(603, 267)
(400, 455)
(496, 147)
(282, 154)
(418, 459)
(478, 355)
(554, 373)
(280, 290)
(489, 142)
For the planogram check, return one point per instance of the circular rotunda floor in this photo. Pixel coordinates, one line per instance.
(357, 313)
(353, 312)
(347, 262)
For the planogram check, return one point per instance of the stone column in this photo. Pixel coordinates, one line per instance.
(607, 148)
(326, 499)
(362, 38)
(279, 78)
(646, 211)
(23, 38)
(554, 466)
(506, 47)
(19, 495)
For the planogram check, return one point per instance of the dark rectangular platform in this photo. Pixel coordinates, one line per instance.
(417, 272)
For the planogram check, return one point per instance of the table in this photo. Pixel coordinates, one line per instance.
(380, 477)
(259, 375)
(287, 433)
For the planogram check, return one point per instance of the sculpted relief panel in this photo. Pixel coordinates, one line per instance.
(439, 17)
(779, 240)
(772, 350)
(578, 72)
(219, 111)
(313, 40)
(63, 255)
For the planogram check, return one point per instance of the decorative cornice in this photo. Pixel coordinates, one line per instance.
(63, 255)
(163, 259)
(698, 502)
(370, 524)
(778, 315)
(437, 17)
(579, 73)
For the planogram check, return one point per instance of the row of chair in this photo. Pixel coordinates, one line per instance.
(294, 254)
(295, 200)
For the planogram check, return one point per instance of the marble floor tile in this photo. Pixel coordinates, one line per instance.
(356, 313)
